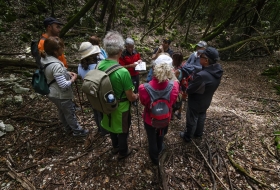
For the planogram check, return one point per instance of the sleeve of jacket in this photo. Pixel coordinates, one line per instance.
(144, 96)
(196, 85)
(174, 92)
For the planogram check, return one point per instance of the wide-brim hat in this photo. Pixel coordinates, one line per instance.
(163, 59)
(87, 49)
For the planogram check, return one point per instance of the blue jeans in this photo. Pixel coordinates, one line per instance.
(195, 123)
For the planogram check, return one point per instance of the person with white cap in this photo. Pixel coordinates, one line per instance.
(163, 71)
(194, 57)
(89, 58)
(162, 58)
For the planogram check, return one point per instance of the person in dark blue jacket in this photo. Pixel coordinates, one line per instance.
(200, 92)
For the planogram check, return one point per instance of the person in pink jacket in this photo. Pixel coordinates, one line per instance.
(162, 73)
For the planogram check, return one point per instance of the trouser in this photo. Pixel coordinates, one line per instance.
(155, 140)
(119, 140)
(66, 113)
(135, 81)
(97, 118)
(195, 123)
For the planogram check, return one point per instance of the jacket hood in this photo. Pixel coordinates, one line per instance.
(49, 59)
(215, 70)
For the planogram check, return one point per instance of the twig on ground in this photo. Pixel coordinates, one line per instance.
(209, 165)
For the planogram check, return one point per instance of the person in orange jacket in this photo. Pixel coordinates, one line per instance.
(53, 27)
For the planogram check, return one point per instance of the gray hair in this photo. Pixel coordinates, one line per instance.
(129, 41)
(113, 43)
(163, 72)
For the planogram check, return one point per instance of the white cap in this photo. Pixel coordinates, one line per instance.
(163, 59)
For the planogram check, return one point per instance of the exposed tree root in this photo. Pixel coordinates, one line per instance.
(242, 170)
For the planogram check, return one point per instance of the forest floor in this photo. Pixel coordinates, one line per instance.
(237, 150)
(240, 123)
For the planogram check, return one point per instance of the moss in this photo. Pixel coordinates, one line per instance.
(272, 71)
(25, 37)
(127, 21)
(278, 147)
(159, 31)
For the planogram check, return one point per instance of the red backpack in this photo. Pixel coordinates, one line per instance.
(160, 105)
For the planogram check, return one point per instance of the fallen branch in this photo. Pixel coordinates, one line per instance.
(22, 180)
(242, 170)
(76, 158)
(209, 165)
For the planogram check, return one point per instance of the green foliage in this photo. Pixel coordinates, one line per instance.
(130, 6)
(159, 31)
(278, 147)
(25, 37)
(127, 21)
(10, 16)
(273, 71)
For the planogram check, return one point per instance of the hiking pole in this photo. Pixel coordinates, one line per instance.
(137, 113)
(79, 96)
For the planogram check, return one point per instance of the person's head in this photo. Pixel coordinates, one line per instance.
(129, 45)
(165, 43)
(94, 40)
(201, 45)
(163, 58)
(53, 26)
(53, 46)
(163, 71)
(177, 58)
(113, 43)
(208, 56)
(88, 54)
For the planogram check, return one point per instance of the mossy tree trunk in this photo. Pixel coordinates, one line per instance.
(111, 15)
(104, 10)
(77, 17)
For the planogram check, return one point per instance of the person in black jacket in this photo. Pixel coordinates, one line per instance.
(200, 92)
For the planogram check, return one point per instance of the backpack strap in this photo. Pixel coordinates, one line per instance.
(45, 66)
(157, 94)
(113, 68)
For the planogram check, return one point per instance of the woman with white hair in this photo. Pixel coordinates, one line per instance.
(160, 81)
(119, 121)
(129, 59)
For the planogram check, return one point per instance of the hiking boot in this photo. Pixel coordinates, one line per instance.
(126, 155)
(178, 115)
(81, 133)
(183, 136)
(67, 131)
(115, 151)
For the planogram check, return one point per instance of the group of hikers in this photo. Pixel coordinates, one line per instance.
(170, 77)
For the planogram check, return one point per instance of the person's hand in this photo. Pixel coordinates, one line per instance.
(139, 61)
(134, 65)
(177, 73)
(160, 49)
(73, 76)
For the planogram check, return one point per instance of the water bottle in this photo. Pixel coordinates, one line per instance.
(110, 98)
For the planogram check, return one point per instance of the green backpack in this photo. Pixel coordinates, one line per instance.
(39, 81)
(97, 87)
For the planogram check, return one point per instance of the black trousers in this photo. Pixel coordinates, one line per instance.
(195, 123)
(155, 140)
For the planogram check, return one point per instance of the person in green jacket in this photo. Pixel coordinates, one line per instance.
(118, 122)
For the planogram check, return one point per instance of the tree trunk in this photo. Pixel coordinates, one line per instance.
(219, 29)
(258, 9)
(190, 20)
(210, 21)
(104, 9)
(111, 15)
(95, 7)
(145, 10)
(77, 17)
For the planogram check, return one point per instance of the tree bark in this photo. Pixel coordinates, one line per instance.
(111, 15)
(190, 20)
(104, 9)
(77, 17)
